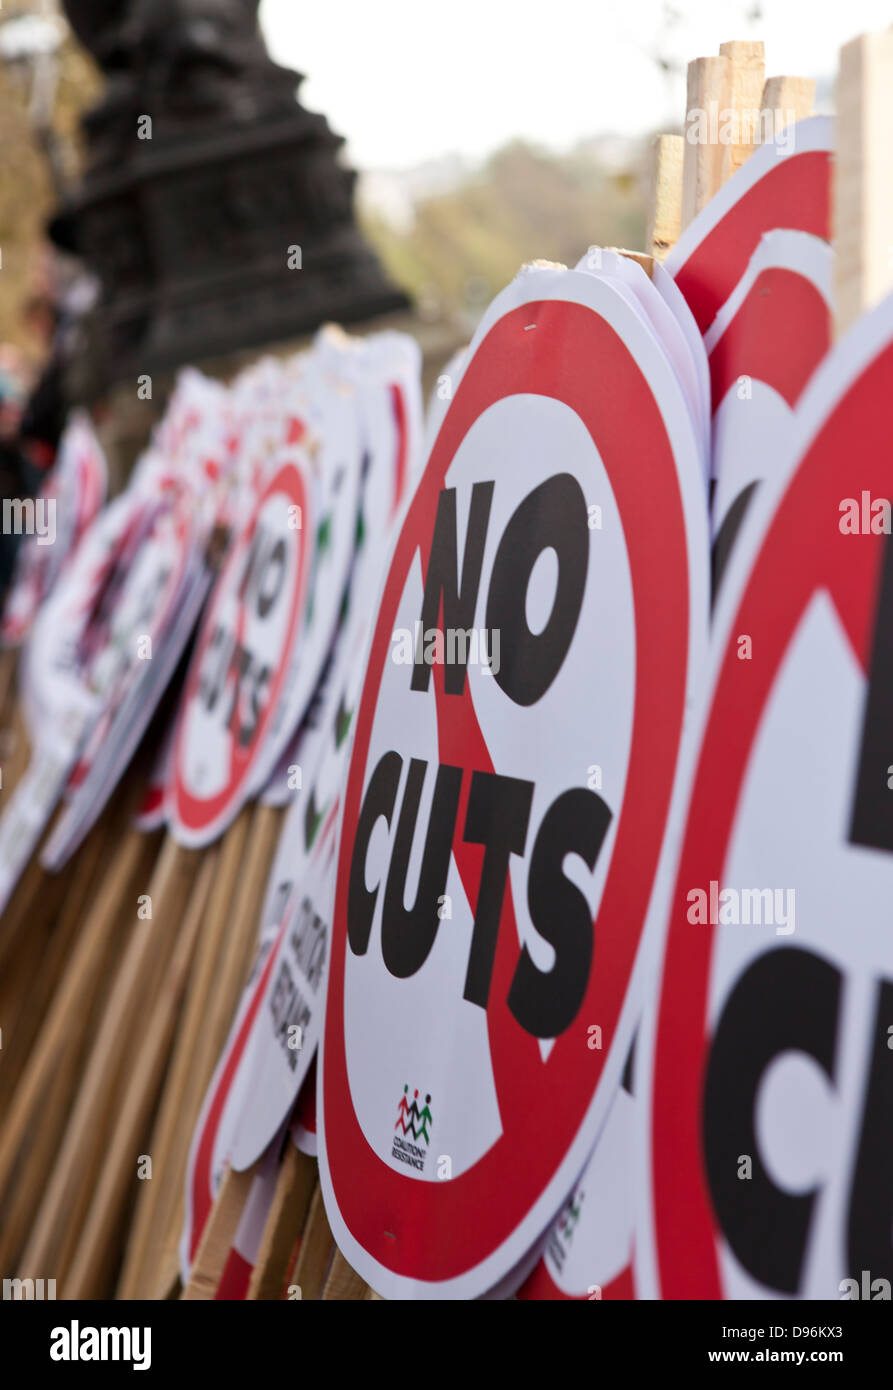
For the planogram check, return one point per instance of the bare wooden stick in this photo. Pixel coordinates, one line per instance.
(285, 1222)
(250, 844)
(748, 79)
(709, 95)
(9, 661)
(59, 1220)
(315, 1253)
(343, 1283)
(863, 188)
(784, 101)
(665, 206)
(50, 936)
(69, 1012)
(98, 1247)
(168, 1146)
(219, 1233)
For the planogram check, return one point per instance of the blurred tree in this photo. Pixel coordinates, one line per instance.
(525, 203)
(27, 191)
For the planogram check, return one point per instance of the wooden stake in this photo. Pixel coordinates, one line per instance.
(59, 1220)
(315, 1253)
(172, 1132)
(219, 1233)
(709, 96)
(784, 101)
(99, 1245)
(748, 79)
(646, 262)
(343, 1283)
(863, 188)
(285, 1222)
(241, 905)
(9, 661)
(43, 956)
(665, 208)
(69, 1013)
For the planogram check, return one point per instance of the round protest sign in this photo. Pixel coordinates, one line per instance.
(64, 510)
(588, 1252)
(244, 654)
(302, 886)
(764, 344)
(766, 1057)
(786, 182)
(541, 626)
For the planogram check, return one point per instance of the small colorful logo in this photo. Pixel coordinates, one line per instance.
(415, 1121)
(412, 1120)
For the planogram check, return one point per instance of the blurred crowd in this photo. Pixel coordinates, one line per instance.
(33, 400)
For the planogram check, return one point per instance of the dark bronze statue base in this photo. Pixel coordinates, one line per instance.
(231, 225)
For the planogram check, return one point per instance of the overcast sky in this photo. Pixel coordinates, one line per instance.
(410, 80)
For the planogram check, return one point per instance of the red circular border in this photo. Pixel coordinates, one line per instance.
(419, 1229)
(194, 813)
(803, 551)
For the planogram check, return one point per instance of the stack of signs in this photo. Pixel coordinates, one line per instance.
(760, 295)
(67, 505)
(540, 635)
(165, 580)
(104, 645)
(275, 609)
(766, 1082)
(273, 1039)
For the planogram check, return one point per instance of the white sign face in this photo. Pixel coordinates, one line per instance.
(302, 883)
(154, 615)
(536, 644)
(326, 409)
(243, 659)
(60, 697)
(765, 1060)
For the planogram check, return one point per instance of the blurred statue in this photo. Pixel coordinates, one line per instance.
(204, 174)
(177, 61)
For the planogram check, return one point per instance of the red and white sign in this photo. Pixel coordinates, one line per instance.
(784, 183)
(272, 1044)
(764, 345)
(74, 493)
(507, 795)
(66, 682)
(766, 1057)
(589, 1249)
(245, 654)
(154, 615)
(303, 1125)
(235, 1279)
